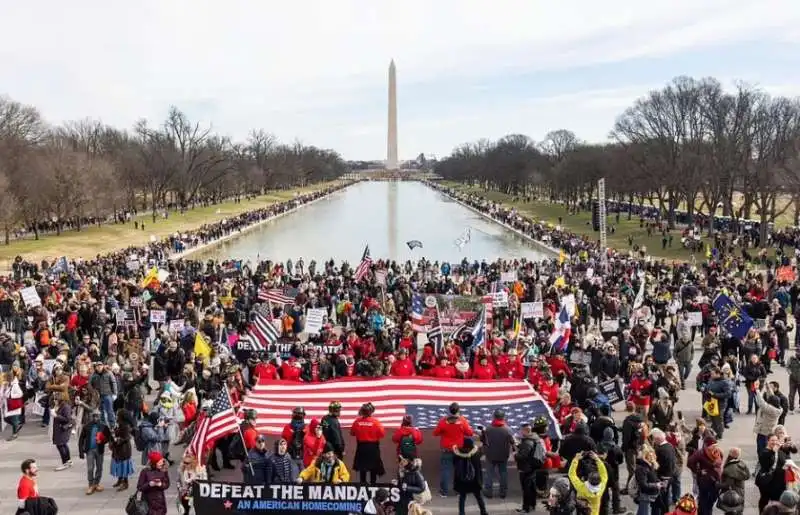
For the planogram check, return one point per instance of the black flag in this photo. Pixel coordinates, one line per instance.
(414, 244)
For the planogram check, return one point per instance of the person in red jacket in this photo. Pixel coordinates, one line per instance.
(483, 369)
(559, 367)
(313, 443)
(451, 430)
(535, 372)
(640, 389)
(444, 370)
(294, 433)
(512, 368)
(265, 371)
(451, 351)
(408, 438)
(427, 361)
(248, 428)
(368, 432)
(402, 366)
(291, 370)
(548, 389)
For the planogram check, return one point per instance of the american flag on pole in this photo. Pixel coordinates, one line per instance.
(262, 333)
(364, 266)
(219, 421)
(275, 295)
(435, 335)
(426, 399)
(417, 310)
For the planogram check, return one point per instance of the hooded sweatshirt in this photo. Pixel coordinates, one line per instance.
(592, 494)
(451, 431)
(312, 446)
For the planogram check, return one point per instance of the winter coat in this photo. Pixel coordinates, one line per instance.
(452, 430)
(313, 472)
(767, 416)
(332, 431)
(84, 443)
(463, 457)
(121, 446)
(708, 472)
(312, 446)
(592, 498)
(281, 469)
(62, 424)
(414, 483)
(255, 468)
(499, 441)
(153, 438)
(646, 480)
(734, 475)
(154, 495)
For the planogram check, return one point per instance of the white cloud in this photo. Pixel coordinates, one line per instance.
(299, 68)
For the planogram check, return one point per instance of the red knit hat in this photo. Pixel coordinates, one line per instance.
(154, 457)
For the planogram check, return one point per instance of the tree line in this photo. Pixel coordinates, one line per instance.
(84, 171)
(690, 144)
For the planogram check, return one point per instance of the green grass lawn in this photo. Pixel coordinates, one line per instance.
(100, 240)
(581, 224)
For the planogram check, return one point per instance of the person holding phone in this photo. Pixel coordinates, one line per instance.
(153, 482)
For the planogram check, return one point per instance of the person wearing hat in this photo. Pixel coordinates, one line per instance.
(328, 469)
(255, 467)
(786, 504)
(498, 444)
(686, 505)
(294, 433)
(368, 432)
(153, 482)
(332, 430)
(91, 446)
(106, 385)
(451, 430)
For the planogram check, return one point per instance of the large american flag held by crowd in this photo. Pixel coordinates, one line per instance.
(220, 420)
(276, 295)
(426, 399)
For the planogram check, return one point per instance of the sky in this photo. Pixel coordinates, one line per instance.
(316, 70)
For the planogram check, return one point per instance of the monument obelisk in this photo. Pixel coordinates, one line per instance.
(391, 151)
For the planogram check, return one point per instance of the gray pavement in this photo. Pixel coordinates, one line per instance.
(68, 486)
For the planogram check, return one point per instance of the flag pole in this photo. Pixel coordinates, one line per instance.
(239, 428)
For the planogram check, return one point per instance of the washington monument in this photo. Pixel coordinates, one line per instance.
(391, 151)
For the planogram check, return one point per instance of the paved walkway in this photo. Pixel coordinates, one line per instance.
(68, 487)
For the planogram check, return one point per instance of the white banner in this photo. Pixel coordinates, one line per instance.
(508, 277)
(695, 318)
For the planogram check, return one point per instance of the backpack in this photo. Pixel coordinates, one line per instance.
(408, 447)
(138, 441)
(537, 454)
(296, 444)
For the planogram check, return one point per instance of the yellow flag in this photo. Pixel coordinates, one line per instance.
(560, 282)
(562, 256)
(708, 251)
(151, 276)
(201, 346)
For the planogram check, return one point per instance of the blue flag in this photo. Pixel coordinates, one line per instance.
(732, 317)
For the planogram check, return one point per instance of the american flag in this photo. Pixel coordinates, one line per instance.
(219, 421)
(435, 334)
(262, 333)
(427, 399)
(275, 295)
(417, 310)
(364, 266)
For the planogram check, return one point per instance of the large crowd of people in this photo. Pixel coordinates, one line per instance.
(111, 379)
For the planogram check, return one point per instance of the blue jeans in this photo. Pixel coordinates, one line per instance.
(751, 401)
(502, 471)
(761, 442)
(107, 410)
(46, 416)
(674, 489)
(684, 369)
(446, 469)
(16, 423)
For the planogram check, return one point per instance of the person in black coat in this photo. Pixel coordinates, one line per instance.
(410, 481)
(255, 469)
(577, 442)
(468, 475)
(332, 430)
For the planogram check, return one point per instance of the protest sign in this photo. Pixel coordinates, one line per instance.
(499, 299)
(508, 277)
(532, 310)
(314, 320)
(218, 498)
(612, 390)
(30, 297)
(568, 301)
(176, 325)
(158, 316)
(609, 325)
(695, 318)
